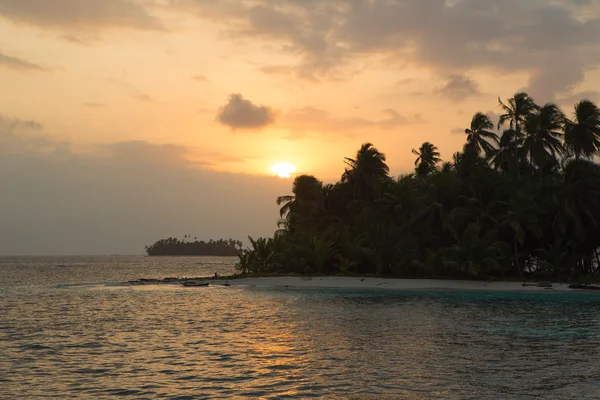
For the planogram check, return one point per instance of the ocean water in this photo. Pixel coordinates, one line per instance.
(67, 331)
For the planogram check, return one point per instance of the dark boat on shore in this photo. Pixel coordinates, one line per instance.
(583, 286)
(194, 283)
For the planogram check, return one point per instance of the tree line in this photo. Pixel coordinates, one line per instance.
(521, 203)
(186, 247)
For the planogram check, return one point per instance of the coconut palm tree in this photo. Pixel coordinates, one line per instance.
(521, 220)
(300, 209)
(366, 172)
(582, 134)
(479, 134)
(577, 200)
(505, 157)
(306, 192)
(427, 159)
(473, 254)
(543, 142)
(516, 111)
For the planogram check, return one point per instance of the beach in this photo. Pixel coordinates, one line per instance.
(388, 284)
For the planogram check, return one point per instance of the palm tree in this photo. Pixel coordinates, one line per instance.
(479, 133)
(505, 157)
(521, 219)
(516, 111)
(366, 171)
(582, 134)
(473, 254)
(300, 209)
(577, 200)
(427, 160)
(543, 143)
(306, 190)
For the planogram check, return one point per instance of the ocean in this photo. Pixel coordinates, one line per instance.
(69, 330)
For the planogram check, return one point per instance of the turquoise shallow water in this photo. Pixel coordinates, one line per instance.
(63, 338)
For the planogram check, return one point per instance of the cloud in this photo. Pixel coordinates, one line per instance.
(76, 39)
(277, 70)
(134, 91)
(12, 123)
(457, 131)
(94, 105)
(310, 119)
(216, 158)
(568, 101)
(200, 78)
(143, 97)
(405, 81)
(549, 41)
(459, 88)
(240, 113)
(79, 14)
(121, 196)
(19, 64)
(141, 152)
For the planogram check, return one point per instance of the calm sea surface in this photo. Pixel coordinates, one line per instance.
(66, 331)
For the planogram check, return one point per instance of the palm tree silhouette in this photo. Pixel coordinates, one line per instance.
(582, 134)
(366, 171)
(427, 160)
(543, 142)
(516, 111)
(479, 133)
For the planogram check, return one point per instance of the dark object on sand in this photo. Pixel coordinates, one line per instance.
(194, 283)
(539, 284)
(583, 286)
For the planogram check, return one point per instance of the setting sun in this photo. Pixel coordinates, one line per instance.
(283, 169)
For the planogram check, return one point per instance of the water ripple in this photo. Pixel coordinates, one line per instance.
(170, 342)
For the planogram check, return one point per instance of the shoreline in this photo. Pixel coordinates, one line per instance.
(370, 283)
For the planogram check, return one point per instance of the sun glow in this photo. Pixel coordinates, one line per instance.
(283, 169)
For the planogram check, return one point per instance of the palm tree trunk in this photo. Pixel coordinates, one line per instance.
(379, 263)
(517, 260)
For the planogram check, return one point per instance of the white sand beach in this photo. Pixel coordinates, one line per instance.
(389, 284)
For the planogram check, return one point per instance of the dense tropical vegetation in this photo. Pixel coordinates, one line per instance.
(187, 247)
(523, 202)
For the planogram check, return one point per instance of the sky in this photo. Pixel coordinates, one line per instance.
(124, 121)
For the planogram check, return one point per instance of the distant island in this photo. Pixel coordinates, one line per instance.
(516, 204)
(187, 247)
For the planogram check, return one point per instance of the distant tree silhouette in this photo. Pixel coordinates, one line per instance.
(175, 247)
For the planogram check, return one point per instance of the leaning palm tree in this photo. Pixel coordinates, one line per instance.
(427, 159)
(516, 111)
(479, 133)
(543, 143)
(366, 171)
(582, 134)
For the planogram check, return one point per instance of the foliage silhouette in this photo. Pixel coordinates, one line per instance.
(176, 247)
(525, 204)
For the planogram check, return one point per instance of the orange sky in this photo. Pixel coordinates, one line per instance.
(236, 86)
(91, 75)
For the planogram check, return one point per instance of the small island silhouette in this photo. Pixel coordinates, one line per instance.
(186, 247)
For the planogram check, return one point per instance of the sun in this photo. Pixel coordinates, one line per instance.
(283, 169)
